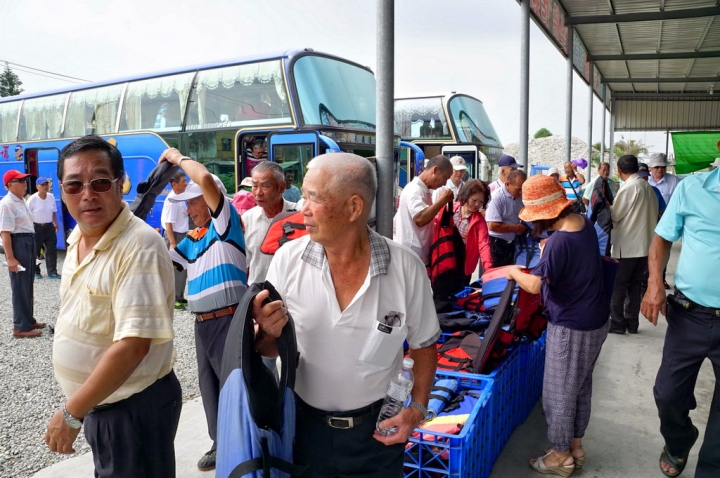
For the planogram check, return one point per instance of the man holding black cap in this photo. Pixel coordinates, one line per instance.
(44, 213)
(16, 228)
(506, 164)
(214, 256)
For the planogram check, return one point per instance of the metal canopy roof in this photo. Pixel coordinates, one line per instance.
(660, 59)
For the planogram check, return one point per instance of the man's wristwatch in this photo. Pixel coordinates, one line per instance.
(71, 421)
(422, 409)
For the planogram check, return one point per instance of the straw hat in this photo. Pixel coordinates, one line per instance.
(543, 197)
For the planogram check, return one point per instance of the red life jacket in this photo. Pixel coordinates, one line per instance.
(459, 352)
(447, 256)
(283, 230)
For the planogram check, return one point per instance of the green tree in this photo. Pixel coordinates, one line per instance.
(9, 83)
(630, 146)
(542, 133)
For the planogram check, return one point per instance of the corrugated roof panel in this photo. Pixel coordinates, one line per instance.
(705, 67)
(648, 115)
(674, 68)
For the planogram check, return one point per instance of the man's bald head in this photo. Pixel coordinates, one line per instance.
(348, 174)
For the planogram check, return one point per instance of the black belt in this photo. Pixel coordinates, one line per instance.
(680, 300)
(342, 420)
(43, 223)
(23, 234)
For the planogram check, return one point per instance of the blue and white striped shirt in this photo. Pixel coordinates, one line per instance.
(214, 257)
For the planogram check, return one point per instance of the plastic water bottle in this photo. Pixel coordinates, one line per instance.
(397, 394)
(20, 268)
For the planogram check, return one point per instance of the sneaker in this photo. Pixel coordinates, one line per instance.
(207, 462)
(54, 276)
(179, 306)
(38, 276)
(183, 301)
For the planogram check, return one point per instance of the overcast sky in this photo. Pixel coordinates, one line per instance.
(468, 46)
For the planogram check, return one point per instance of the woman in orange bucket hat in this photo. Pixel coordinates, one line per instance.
(569, 276)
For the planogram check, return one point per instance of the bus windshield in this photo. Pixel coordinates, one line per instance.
(472, 122)
(421, 118)
(334, 93)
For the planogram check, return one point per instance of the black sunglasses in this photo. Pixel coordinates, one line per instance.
(99, 185)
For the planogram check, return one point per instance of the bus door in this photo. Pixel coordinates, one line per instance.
(293, 150)
(469, 152)
(42, 162)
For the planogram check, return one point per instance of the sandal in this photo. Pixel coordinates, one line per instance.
(579, 460)
(677, 462)
(559, 469)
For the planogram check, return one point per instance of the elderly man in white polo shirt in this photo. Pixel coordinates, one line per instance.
(456, 180)
(355, 296)
(414, 218)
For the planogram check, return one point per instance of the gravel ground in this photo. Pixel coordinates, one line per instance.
(29, 394)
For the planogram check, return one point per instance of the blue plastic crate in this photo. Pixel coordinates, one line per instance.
(533, 368)
(433, 454)
(505, 400)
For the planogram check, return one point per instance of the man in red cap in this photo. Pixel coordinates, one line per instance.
(18, 240)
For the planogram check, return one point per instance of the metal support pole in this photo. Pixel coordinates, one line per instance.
(667, 142)
(602, 136)
(588, 173)
(385, 109)
(612, 137)
(524, 82)
(569, 92)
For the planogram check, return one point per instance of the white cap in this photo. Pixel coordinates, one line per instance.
(247, 182)
(408, 362)
(458, 163)
(657, 160)
(193, 190)
(553, 171)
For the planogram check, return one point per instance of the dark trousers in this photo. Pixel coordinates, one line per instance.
(627, 284)
(180, 276)
(692, 335)
(502, 252)
(45, 238)
(209, 346)
(331, 452)
(21, 283)
(135, 437)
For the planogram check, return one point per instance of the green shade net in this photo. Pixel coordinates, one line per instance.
(695, 150)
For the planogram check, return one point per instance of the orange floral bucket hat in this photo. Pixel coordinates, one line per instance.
(543, 197)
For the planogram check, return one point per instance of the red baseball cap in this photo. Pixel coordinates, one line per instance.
(13, 174)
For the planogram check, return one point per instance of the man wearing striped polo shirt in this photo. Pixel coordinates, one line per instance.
(214, 256)
(572, 181)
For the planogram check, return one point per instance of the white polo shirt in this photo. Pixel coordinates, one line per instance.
(346, 362)
(256, 225)
(15, 217)
(415, 198)
(175, 213)
(42, 209)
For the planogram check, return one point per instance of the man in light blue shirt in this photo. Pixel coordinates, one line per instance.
(503, 221)
(693, 316)
(665, 183)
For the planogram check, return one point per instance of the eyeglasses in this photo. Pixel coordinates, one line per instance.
(99, 185)
(17, 181)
